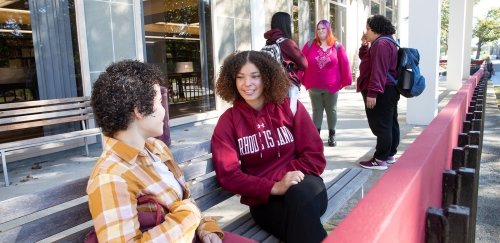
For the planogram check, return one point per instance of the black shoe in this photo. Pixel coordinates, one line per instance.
(331, 138)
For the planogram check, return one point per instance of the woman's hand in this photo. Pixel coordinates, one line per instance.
(211, 238)
(364, 40)
(291, 178)
(371, 102)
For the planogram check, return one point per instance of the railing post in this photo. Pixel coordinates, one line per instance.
(450, 181)
(458, 219)
(467, 197)
(437, 227)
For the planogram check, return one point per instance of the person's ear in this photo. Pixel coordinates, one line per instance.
(137, 114)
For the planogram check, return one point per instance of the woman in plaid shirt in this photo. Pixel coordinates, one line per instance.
(126, 100)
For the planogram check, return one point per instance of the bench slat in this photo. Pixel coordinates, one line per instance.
(46, 115)
(191, 152)
(54, 107)
(45, 123)
(209, 200)
(35, 103)
(76, 237)
(356, 179)
(195, 169)
(27, 204)
(240, 220)
(34, 142)
(52, 224)
(203, 186)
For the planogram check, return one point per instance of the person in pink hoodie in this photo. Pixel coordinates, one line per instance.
(270, 155)
(328, 72)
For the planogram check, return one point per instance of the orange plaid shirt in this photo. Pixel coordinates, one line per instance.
(120, 176)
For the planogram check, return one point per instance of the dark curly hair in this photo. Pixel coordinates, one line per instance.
(124, 86)
(274, 78)
(381, 25)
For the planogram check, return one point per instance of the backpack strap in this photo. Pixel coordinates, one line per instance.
(393, 79)
(387, 38)
(279, 40)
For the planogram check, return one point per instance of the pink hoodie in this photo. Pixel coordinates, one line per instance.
(328, 69)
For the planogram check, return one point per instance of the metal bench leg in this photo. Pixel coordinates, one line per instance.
(86, 146)
(5, 172)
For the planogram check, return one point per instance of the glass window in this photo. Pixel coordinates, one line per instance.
(375, 8)
(338, 21)
(304, 21)
(388, 14)
(18, 68)
(18, 80)
(179, 41)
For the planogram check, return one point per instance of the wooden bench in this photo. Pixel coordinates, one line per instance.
(27, 115)
(69, 222)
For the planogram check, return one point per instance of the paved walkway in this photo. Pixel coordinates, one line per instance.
(355, 142)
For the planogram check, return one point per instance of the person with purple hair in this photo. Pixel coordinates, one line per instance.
(328, 72)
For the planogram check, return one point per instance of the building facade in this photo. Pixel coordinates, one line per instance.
(58, 48)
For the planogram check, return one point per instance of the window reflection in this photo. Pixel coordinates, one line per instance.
(375, 8)
(17, 58)
(18, 68)
(338, 20)
(178, 37)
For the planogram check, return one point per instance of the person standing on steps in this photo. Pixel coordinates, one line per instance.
(327, 73)
(379, 58)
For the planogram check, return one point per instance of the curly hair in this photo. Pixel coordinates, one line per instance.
(274, 78)
(381, 25)
(124, 85)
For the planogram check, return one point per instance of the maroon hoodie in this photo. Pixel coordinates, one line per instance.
(268, 144)
(288, 47)
(376, 62)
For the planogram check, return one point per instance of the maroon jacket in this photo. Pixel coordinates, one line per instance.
(252, 149)
(289, 49)
(376, 61)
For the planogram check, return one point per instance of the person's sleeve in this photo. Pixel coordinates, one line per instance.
(113, 207)
(301, 73)
(293, 53)
(345, 67)
(380, 59)
(227, 167)
(209, 225)
(308, 145)
(363, 50)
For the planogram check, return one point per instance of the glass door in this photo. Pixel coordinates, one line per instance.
(178, 40)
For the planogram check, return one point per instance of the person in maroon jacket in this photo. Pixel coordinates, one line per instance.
(268, 154)
(281, 26)
(378, 60)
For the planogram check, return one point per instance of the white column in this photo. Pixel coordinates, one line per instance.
(467, 49)
(258, 24)
(424, 35)
(455, 70)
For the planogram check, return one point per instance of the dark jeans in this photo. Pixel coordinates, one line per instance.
(295, 217)
(383, 121)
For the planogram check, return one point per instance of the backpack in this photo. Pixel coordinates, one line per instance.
(274, 49)
(409, 81)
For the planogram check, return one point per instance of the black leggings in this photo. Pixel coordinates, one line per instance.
(295, 216)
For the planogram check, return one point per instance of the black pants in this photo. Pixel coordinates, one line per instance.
(383, 121)
(295, 217)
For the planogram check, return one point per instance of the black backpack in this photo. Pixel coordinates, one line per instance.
(409, 81)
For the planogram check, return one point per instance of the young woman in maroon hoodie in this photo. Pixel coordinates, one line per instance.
(263, 151)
